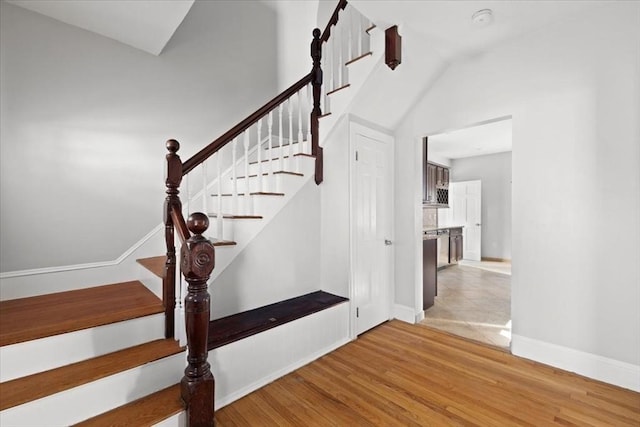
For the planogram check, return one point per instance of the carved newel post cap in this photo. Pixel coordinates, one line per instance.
(173, 145)
(316, 33)
(197, 223)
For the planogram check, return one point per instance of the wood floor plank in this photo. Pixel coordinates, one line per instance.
(146, 411)
(401, 374)
(74, 310)
(36, 386)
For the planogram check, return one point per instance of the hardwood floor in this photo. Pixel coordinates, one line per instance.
(411, 375)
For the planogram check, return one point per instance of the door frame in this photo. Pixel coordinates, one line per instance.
(354, 128)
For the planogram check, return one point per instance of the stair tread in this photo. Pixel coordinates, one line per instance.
(148, 410)
(74, 310)
(154, 264)
(338, 89)
(357, 58)
(231, 216)
(275, 159)
(275, 173)
(36, 386)
(257, 193)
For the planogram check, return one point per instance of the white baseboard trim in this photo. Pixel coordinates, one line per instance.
(404, 313)
(232, 397)
(597, 367)
(62, 268)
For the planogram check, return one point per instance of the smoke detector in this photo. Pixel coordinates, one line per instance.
(483, 17)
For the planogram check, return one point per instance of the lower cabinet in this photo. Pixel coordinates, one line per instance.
(455, 245)
(429, 272)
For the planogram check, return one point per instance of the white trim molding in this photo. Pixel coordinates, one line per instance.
(404, 313)
(58, 269)
(597, 367)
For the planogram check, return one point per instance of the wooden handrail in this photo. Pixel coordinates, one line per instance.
(333, 20)
(180, 225)
(228, 136)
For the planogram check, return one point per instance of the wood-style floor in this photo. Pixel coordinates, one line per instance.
(411, 375)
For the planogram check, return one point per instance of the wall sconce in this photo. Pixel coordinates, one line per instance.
(392, 47)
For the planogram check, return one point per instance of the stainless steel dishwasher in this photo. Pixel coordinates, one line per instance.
(443, 248)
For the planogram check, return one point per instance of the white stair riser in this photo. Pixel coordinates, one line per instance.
(19, 360)
(88, 400)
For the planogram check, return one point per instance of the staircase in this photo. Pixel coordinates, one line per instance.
(115, 354)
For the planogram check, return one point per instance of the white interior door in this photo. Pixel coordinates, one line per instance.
(371, 226)
(472, 232)
(465, 201)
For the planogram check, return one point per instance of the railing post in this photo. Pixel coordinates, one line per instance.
(173, 177)
(316, 81)
(197, 385)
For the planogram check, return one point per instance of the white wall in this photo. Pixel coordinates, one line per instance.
(573, 90)
(281, 262)
(296, 21)
(84, 121)
(334, 221)
(494, 170)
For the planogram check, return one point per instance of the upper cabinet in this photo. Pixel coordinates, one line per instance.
(435, 183)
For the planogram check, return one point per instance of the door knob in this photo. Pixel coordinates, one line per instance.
(478, 225)
(388, 242)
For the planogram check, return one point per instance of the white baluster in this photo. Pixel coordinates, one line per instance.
(359, 31)
(289, 147)
(344, 36)
(270, 170)
(260, 155)
(188, 194)
(178, 312)
(330, 44)
(309, 109)
(219, 224)
(281, 135)
(205, 196)
(234, 177)
(349, 28)
(338, 44)
(247, 196)
(300, 135)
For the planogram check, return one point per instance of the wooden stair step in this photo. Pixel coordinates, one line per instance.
(36, 386)
(154, 264)
(275, 173)
(357, 58)
(237, 326)
(41, 316)
(231, 216)
(338, 89)
(284, 157)
(257, 193)
(146, 411)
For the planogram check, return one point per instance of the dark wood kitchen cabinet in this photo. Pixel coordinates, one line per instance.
(431, 174)
(429, 272)
(455, 245)
(435, 182)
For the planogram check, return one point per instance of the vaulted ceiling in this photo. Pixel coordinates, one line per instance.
(144, 24)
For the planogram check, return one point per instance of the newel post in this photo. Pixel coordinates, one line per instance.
(173, 177)
(316, 82)
(197, 262)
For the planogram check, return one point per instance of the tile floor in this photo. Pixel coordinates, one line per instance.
(474, 301)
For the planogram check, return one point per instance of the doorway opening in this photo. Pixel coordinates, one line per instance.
(473, 228)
